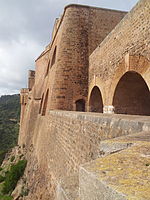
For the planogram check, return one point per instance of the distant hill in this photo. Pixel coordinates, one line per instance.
(9, 122)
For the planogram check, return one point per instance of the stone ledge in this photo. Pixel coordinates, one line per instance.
(120, 143)
(120, 176)
(68, 188)
(126, 123)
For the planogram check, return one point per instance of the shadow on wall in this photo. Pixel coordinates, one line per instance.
(132, 95)
(80, 105)
(96, 102)
(45, 103)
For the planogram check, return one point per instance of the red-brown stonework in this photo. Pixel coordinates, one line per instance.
(127, 48)
(80, 31)
(90, 65)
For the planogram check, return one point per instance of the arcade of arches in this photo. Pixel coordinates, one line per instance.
(131, 96)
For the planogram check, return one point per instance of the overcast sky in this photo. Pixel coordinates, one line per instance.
(25, 30)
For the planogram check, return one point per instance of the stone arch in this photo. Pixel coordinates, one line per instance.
(98, 82)
(95, 101)
(132, 95)
(139, 64)
(80, 105)
(45, 103)
(41, 103)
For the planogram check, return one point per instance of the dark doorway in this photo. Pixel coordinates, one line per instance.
(132, 95)
(96, 102)
(80, 105)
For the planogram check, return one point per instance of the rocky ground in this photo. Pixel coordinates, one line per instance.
(21, 190)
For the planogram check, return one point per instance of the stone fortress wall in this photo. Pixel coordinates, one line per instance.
(65, 62)
(124, 52)
(90, 65)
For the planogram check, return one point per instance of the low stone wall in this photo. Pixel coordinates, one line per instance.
(64, 140)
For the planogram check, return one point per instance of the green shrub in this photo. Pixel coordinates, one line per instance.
(16, 171)
(1, 168)
(12, 159)
(6, 173)
(5, 197)
(2, 178)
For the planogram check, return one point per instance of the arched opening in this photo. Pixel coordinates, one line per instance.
(80, 105)
(132, 95)
(41, 104)
(96, 102)
(45, 103)
(53, 57)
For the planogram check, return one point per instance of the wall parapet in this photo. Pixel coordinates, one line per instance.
(139, 122)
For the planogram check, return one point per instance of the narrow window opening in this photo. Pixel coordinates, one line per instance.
(54, 57)
(45, 103)
(47, 70)
(41, 104)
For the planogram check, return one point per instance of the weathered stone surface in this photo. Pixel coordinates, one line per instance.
(123, 175)
(118, 144)
(68, 188)
(91, 188)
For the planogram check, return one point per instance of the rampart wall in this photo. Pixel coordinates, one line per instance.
(62, 141)
(114, 79)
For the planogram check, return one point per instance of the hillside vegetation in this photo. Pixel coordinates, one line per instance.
(9, 123)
